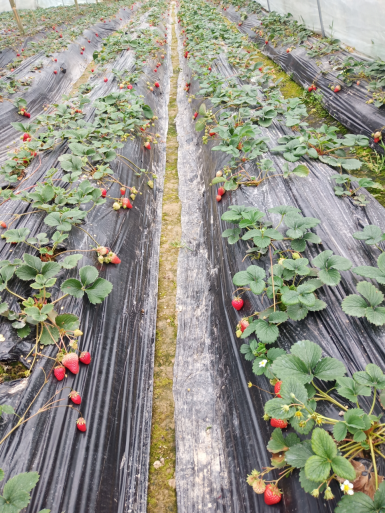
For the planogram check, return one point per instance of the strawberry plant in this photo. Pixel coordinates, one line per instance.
(330, 454)
(290, 284)
(16, 492)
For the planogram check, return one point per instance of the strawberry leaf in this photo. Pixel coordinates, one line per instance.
(298, 455)
(16, 492)
(72, 287)
(323, 445)
(67, 322)
(317, 469)
(88, 275)
(343, 468)
(71, 261)
(340, 431)
(98, 291)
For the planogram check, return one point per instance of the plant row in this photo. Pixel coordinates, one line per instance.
(321, 448)
(80, 183)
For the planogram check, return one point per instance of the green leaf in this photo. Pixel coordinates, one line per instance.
(329, 369)
(16, 492)
(372, 376)
(359, 436)
(351, 389)
(343, 468)
(266, 332)
(358, 503)
(98, 291)
(147, 112)
(354, 305)
(88, 274)
(24, 332)
(67, 322)
(50, 269)
(370, 292)
(317, 469)
(8, 409)
(72, 287)
(340, 431)
(297, 455)
(306, 484)
(49, 336)
(71, 261)
(309, 352)
(1, 474)
(278, 442)
(292, 387)
(323, 445)
(301, 171)
(279, 409)
(200, 124)
(291, 366)
(26, 273)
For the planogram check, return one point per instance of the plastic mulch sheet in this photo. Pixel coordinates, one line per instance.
(348, 106)
(220, 434)
(105, 469)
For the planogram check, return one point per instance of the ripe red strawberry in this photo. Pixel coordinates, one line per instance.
(277, 388)
(376, 140)
(75, 397)
(310, 89)
(314, 88)
(239, 24)
(59, 372)
(195, 115)
(122, 191)
(129, 86)
(209, 68)
(85, 357)
(156, 84)
(219, 198)
(147, 145)
(17, 55)
(288, 50)
(55, 60)
(337, 88)
(243, 324)
(266, 42)
(55, 72)
(237, 303)
(272, 494)
(3, 225)
(71, 362)
(97, 35)
(260, 69)
(26, 137)
(211, 134)
(81, 424)
(27, 114)
(104, 193)
(221, 191)
(115, 259)
(89, 41)
(126, 203)
(92, 70)
(278, 423)
(106, 79)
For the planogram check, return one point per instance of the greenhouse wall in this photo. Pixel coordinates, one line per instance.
(34, 4)
(357, 23)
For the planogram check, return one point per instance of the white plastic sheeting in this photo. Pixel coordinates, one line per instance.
(34, 4)
(357, 23)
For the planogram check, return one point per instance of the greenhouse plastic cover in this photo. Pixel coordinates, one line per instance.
(357, 23)
(106, 470)
(349, 106)
(220, 434)
(34, 4)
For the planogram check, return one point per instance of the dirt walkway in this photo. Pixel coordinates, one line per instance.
(161, 490)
